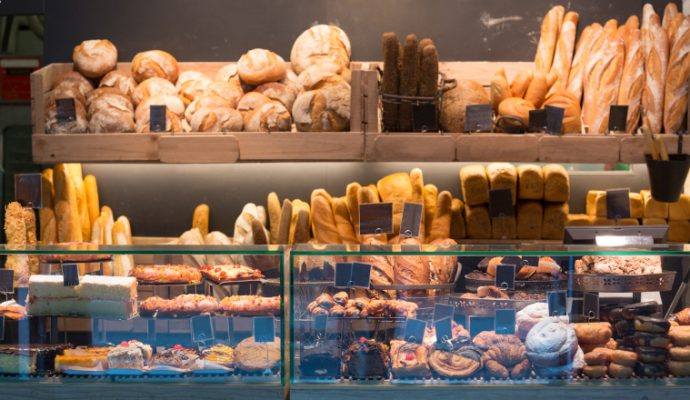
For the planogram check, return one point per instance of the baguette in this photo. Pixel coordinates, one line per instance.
(390, 81)
(536, 92)
(440, 227)
(123, 264)
(632, 82)
(323, 221)
(602, 81)
(353, 204)
(633, 22)
(565, 48)
(428, 71)
(550, 27)
(500, 89)
(30, 224)
(417, 181)
(66, 206)
(297, 206)
(590, 36)
(519, 85)
(656, 63)
(92, 202)
(670, 13)
(430, 198)
(647, 12)
(342, 221)
(124, 221)
(273, 205)
(408, 81)
(677, 75)
(672, 30)
(457, 220)
(301, 233)
(76, 174)
(200, 218)
(284, 224)
(47, 190)
(15, 233)
(46, 217)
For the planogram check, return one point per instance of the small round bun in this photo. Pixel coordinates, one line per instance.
(95, 58)
(155, 63)
(259, 66)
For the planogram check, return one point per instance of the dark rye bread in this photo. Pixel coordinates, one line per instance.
(428, 72)
(408, 80)
(390, 81)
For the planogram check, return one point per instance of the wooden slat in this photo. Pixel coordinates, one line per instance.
(411, 147)
(497, 147)
(199, 149)
(579, 149)
(301, 146)
(633, 148)
(95, 147)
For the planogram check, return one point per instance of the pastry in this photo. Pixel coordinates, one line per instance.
(652, 339)
(366, 359)
(651, 370)
(89, 358)
(593, 332)
(255, 357)
(651, 354)
(616, 265)
(620, 371)
(95, 58)
(250, 305)
(130, 355)
(679, 368)
(595, 371)
(259, 66)
(176, 357)
(504, 355)
(154, 63)
(166, 274)
(320, 360)
(599, 356)
(28, 359)
(382, 267)
(551, 343)
(409, 360)
(680, 353)
(459, 359)
(219, 354)
(680, 335)
(180, 306)
(572, 369)
(529, 316)
(230, 272)
(651, 325)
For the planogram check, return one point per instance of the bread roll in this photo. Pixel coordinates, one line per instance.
(269, 117)
(529, 220)
(680, 209)
(530, 182)
(119, 80)
(153, 87)
(520, 83)
(219, 119)
(550, 28)
(478, 222)
(15, 232)
(516, 107)
(590, 39)
(500, 89)
(397, 189)
(342, 221)
(579, 220)
(154, 63)
(536, 91)
(430, 199)
(259, 66)
(555, 218)
(230, 91)
(632, 82)
(408, 80)
(285, 222)
(656, 63)
(324, 110)
(653, 208)
(390, 80)
(324, 225)
(503, 176)
(457, 220)
(678, 231)
(111, 113)
(251, 101)
(676, 88)
(440, 227)
(76, 80)
(66, 206)
(95, 58)
(572, 115)
(565, 48)
(92, 202)
(467, 92)
(78, 125)
(318, 44)
(200, 218)
(193, 88)
(208, 101)
(556, 183)
(474, 184)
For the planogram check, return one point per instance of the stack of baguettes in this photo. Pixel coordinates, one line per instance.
(643, 66)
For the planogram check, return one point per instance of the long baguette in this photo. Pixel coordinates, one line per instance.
(66, 206)
(632, 83)
(565, 48)
(390, 80)
(602, 82)
(670, 13)
(550, 27)
(672, 29)
(590, 36)
(677, 74)
(656, 64)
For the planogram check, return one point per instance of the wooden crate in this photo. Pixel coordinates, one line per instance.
(191, 147)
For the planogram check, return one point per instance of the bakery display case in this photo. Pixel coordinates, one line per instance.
(411, 320)
(178, 319)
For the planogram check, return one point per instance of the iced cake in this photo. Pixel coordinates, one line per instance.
(130, 355)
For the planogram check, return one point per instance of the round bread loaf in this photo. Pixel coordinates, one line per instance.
(78, 125)
(226, 73)
(120, 80)
(318, 44)
(572, 122)
(173, 104)
(173, 123)
(269, 117)
(154, 63)
(112, 98)
(320, 75)
(277, 91)
(65, 90)
(153, 87)
(75, 79)
(192, 89)
(551, 343)
(324, 110)
(206, 101)
(466, 92)
(190, 75)
(111, 120)
(251, 101)
(218, 119)
(516, 107)
(230, 91)
(95, 58)
(259, 66)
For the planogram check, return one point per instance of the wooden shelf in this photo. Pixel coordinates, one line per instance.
(410, 147)
(497, 147)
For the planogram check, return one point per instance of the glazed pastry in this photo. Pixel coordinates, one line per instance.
(593, 332)
(632, 311)
(680, 353)
(257, 357)
(531, 315)
(679, 368)
(176, 357)
(462, 360)
(651, 354)
(599, 356)
(651, 370)
(505, 358)
(651, 325)
(595, 371)
(683, 316)
(366, 359)
(551, 343)
(409, 360)
(658, 340)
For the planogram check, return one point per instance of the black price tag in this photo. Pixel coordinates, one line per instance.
(361, 275)
(444, 329)
(478, 118)
(411, 219)
(375, 218)
(2, 328)
(264, 329)
(480, 324)
(618, 118)
(505, 276)
(443, 311)
(6, 281)
(202, 329)
(320, 324)
(65, 110)
(590, 307)
(70, 275)
(617, 204)
(501, 203)
(505, 322)
(537, 120)
(532, 261)
(557, 303)
(414, 330)
(28, 190)
(22, 295)
(554, 119)
(157, 118)
(343, 275)
(425, 119)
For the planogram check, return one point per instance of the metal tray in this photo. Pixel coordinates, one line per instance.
(521, 286)
(487, 307)
(662, 282)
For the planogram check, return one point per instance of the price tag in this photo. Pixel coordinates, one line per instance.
(505, 322)
(264, 329)
(532, 261)
(65, 110)
(320, 324)
(478, 118)
(501, 203)
(480, 324)
(28, 190)
(70, 275)
(411, 219)
(6, 281)
(444, 330)
(505, 276)
(557, 303)
(375, 218)
(361, 275)
(617, 204)
(590, 307)
(22, 295)
(2, 328)
(443, 311)
(343, 275)
(424, 117)
(554, 119)
(157, 118)
(202, 329)
(414, 330)
(537, 120)
(618, 118)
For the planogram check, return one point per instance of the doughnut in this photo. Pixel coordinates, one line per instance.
(624, 358)
(652, 325)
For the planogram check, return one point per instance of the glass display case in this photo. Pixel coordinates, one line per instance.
(177, 318)
(410, 320)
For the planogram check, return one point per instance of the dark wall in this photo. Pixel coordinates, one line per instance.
(221, 30)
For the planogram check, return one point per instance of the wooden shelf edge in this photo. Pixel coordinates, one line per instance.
(110, 147)
(420, 147)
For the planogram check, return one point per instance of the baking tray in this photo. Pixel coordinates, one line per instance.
(488, 306)
(662, 282)
(175, 284)
(77, 260)
(521, 286)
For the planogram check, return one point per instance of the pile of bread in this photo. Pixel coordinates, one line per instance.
(259, 93)
(644, 210)
(409, 70)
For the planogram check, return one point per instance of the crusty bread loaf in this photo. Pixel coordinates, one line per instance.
(632, 82)
(555, 218)
(430, 199)
(653, 208)
(530, 182)
(550, 27)
(48, 223)
(504, 228)
(323, 110)
(516, 107)
(672, 29)
(589, 38)
(123, 264)
(408, 81)
(230, 91)
(670, 12)
(520, 83)
(259, 66)
(500, 89)
(351, 192)
(66, 206)
(428, 70)
(319, 44)
(467, 92)
(474, 184)
(192, 88)
(153, 87)
(154, 63)
(556, 183)
(95, 58)
(285, 223)
(478, 222)
(656, 63)
(503, 176)
(218, 119)
(343, 225)
(457, 220)
(397, 189)
(200, 218)
(209, 101)
(565, 48)
(676, 87)
(440, 227)
(274, 211)
(529, 220)
(269, 117)
(602, 82)
(119, 80)
(390, 80)
(572, 114)
(536, 92)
